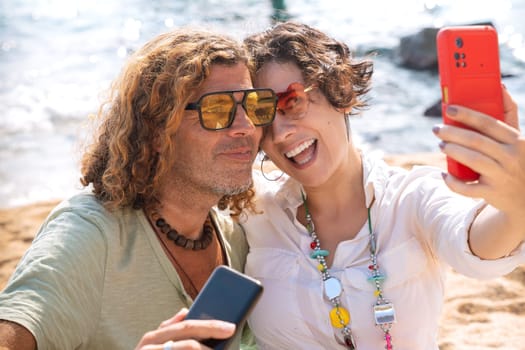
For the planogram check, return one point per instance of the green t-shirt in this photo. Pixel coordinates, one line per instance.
(94, 279)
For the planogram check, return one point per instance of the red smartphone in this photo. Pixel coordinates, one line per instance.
(227, 295)
(469, 74)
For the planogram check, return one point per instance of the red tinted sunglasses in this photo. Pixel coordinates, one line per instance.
(294, 102)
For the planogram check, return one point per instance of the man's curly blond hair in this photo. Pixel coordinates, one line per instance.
(144, 109)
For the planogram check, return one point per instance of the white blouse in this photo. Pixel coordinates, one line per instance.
(419, 224)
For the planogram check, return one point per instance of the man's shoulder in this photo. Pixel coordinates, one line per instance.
(81, 202)
(86, 213)
(85, 204)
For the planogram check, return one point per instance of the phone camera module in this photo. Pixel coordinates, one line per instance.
(459, 42)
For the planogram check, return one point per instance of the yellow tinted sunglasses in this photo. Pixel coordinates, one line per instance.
(217, 109)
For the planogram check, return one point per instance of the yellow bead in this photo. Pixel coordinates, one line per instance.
(320, 267)
(339, 317)
(376, 293)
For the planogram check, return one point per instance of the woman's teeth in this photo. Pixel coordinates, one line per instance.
(299, 149)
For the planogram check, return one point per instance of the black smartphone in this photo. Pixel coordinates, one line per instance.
(227, 295)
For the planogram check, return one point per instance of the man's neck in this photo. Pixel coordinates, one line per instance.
(186, 213)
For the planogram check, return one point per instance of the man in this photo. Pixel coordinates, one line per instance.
(178, 135)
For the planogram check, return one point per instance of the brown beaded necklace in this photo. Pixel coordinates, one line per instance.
(180, 240)
(198, 247)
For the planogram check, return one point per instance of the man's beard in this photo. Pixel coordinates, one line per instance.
(233, 189)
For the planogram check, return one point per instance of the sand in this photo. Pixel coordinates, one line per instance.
(477, 315)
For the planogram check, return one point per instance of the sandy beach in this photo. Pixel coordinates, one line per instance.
(477, 315)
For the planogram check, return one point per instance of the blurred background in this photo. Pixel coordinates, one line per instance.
(57, 57)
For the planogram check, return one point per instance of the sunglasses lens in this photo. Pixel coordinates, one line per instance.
(293, 101)
(216, 110)
(260, 106)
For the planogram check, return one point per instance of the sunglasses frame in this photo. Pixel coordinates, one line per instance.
(196, 106)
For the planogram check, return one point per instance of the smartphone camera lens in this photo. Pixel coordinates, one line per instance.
(459, 42)
(457, 55)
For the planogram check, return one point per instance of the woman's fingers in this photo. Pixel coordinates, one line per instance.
(493, 148)
(510, 108)
(481, 162)
(485, 143)
(484, 124)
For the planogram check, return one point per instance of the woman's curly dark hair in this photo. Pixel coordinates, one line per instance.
(144, 109)
(324, 61)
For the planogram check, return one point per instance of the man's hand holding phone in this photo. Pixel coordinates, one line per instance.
(220, 309)
(178, 333)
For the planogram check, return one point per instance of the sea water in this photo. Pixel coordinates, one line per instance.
(57, 57)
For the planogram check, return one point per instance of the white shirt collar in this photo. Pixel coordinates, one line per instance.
(288, 190)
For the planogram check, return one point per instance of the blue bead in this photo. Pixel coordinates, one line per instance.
(320, 252)
(375, 278)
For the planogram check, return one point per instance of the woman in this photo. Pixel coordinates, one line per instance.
(352, 252)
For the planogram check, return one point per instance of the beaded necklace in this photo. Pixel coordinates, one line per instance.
(196, 250)
(384, 312)
(179, 239)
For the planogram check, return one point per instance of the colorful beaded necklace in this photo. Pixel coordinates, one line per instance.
(384, 312)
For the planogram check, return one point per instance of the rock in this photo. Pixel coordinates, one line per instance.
(434, 110)
(418, 51)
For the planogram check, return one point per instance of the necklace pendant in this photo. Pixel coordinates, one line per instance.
(339, 317)
(384, 314)
(349, 342)
(332, 288)
(388, 340)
